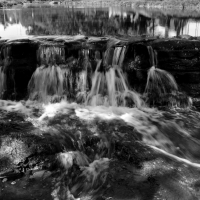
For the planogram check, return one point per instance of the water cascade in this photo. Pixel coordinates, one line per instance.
(160, 84)
(2, 83)
(84, 76)
(161, 87)
(48, 83)
(152, 56)
(109, 85)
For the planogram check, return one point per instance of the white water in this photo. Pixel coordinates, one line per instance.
(110, 87)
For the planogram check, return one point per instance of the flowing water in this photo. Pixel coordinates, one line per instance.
(116, 144)
(2, 82)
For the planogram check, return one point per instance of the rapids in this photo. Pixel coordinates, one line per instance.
(167, 135)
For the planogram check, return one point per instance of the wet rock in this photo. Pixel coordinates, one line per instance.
(16, 148)
(18, 59)
(41, 174)
(11, 176)
(186, 77)
(4, 180)
(192, 90)
(175, 44)
(136, 57)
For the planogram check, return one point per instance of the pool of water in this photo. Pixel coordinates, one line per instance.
(103, 21)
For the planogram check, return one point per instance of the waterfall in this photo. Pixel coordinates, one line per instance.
(152, 56)
(47, 83)
(118, 91)
(116, 56)
(97, 92)
(109, 87)
(56, 78)
(84, 77)
(2, 83)
(161, 87)
(161, 81)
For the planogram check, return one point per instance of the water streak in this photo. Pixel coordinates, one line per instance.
(48, 54)
(2, 83)
(152, 56)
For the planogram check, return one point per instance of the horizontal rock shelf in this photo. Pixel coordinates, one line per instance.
(21, 57)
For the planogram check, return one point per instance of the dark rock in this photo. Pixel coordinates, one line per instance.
(179, 60)
(175, 44)
(136, 57)
(18, 59)
(186, 77)
(192, 90)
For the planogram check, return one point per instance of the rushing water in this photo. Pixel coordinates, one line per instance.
(110, 135)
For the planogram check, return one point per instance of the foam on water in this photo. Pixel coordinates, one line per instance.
(51, 110)
(152, 124)
(12, 106)
(93, 174)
